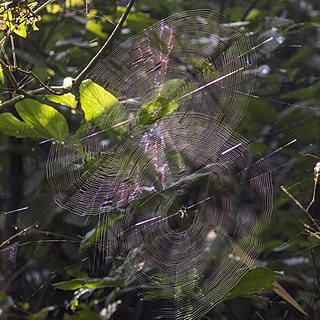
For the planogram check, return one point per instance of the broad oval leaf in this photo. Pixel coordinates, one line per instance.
(45, 119)
(95, 99)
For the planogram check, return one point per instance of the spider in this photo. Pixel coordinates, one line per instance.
(183, 212)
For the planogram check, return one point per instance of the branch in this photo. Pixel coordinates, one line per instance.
(30, 73)
(9, 74)
(59, 90)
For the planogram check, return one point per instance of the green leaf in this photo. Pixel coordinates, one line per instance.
(90, 283)
(43, 118)
(94, 26)
(255, 281)
(12, 126)
(170, 96)
(95, 100)
(20, 30)
(155, 110)
(34, 27)
(67, 99)
(74, 305)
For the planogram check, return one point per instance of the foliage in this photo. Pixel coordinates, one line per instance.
(44, 271)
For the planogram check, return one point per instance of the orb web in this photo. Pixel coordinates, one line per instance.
(190, 230)
(181, 197)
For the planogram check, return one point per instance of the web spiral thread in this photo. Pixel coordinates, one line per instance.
(189, 197)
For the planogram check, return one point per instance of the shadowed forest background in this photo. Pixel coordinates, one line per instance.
(50, 267)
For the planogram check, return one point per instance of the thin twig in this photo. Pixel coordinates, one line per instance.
(298, 204)
(20, 233)
(14, 56)
(12, 79)
(9, 74)
(30, 73)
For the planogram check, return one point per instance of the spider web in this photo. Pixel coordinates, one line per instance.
(189, 195)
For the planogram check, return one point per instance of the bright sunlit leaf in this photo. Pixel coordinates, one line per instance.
(34, 27)
(43, 118)
(95, 100)
(67, 99)
(20, 30)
